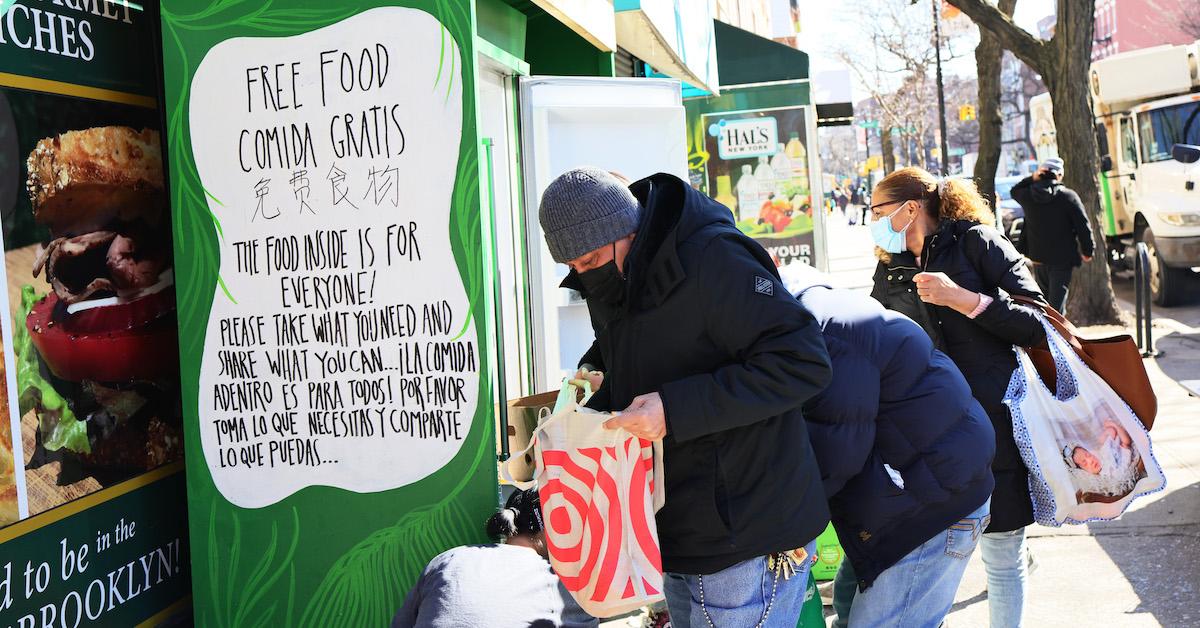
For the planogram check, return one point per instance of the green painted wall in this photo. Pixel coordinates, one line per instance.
(553, 49)
(502, 26)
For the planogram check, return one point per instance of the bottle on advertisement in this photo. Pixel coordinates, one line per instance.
(725, 193)
(747, 195)
(782, 166)
(765, 176)
(797, 154)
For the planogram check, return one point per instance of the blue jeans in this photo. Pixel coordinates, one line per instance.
(1004, 559)
(918, 590)
(743, 596)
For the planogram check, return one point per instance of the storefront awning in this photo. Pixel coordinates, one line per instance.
(675, 37)
(746, 62)
(835, 114)
(745, 59)
(590, 19)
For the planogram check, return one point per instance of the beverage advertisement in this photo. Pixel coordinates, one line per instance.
(757, 166)
(92, 515)
(325, 178)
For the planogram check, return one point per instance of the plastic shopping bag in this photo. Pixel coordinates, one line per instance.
(1088, 454)
(599, 490)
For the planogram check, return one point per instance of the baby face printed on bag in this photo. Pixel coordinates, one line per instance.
(1087, 453)
(1106, 463)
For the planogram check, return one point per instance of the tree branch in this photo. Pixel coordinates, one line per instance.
(1012, 37)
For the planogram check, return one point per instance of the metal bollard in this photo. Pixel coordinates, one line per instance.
(1143, 301)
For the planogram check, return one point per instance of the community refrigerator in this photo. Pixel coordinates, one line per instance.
(632, 126)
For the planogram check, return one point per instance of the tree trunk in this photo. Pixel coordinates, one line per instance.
(888, 150)
(988, 55)
(1091, 301)
(1064, 62)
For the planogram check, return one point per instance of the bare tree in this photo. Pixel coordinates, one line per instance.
(899, 73)
(1014, 99)
(988, 57)
(961, 134)
(1189, 18)
(1063, 62)
(838, 151)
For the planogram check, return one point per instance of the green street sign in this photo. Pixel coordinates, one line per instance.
(958, 152)
(869, 124)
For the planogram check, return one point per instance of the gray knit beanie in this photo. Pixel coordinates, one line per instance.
(584, 209)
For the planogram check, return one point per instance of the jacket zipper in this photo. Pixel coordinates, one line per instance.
(932, 311)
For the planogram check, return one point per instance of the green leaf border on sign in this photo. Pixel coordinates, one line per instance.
(323, 556)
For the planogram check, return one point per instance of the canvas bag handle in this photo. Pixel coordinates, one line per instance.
(1065, 328)
(1066, 361)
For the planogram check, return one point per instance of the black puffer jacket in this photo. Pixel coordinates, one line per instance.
(978, 258)
(894, 401)
(708, 325)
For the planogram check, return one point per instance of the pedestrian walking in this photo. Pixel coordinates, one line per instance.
(510, 584)
(1056, 236)
(905, 453)
(702, 348)
(929, 232)
(866, 205)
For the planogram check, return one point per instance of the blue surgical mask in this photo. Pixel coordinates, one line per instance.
(887, 238)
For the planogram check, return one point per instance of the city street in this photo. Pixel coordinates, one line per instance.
(1141, 570)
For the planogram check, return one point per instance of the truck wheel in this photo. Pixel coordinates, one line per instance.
(1166, 283)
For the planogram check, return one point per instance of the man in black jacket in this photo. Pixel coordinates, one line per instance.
(1054, 222)
(703, 349)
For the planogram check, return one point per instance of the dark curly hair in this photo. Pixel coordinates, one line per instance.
(521, 515)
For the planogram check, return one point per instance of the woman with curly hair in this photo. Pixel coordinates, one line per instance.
(943, 265)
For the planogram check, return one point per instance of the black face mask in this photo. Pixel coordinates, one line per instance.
(605, 283)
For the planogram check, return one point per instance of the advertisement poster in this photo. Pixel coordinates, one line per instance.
(92, 514)
(758, 167)
(324, 179)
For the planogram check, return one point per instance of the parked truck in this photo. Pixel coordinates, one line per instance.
(1147, 108)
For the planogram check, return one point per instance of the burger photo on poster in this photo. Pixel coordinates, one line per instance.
(97, 356)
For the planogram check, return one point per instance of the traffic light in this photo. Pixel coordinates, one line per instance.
(966, 113)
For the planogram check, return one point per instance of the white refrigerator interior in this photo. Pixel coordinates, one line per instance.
(633, 126)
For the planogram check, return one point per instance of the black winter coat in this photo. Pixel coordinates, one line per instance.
(708, 325)
(1056, 226)
(979, 258)
(894, 400)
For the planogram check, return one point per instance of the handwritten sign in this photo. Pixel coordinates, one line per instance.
(339, 350)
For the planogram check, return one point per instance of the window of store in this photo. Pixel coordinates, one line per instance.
(1160, 129)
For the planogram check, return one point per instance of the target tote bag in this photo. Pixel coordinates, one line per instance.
(1088, 454)
(599, 490)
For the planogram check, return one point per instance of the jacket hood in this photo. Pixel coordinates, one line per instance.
(1044, 191)
(672, 211)
(798, 277)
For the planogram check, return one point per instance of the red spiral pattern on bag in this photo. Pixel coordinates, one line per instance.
(586, 522)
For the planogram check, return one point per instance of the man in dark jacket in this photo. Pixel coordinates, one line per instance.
(1056, 230)
(905, 453)
(704, 349)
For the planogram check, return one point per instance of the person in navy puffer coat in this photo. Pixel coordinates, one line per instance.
(905, 455)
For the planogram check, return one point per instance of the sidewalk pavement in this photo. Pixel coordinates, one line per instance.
(1143, 569)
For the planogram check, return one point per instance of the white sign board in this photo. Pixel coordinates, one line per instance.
(339, 342)
(749, 137)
